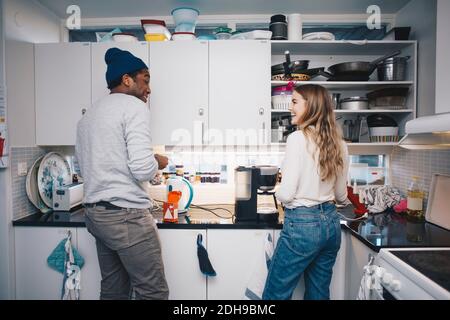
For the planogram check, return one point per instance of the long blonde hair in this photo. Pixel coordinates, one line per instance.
(326, 135)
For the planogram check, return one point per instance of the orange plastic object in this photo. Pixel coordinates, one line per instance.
(174, 197)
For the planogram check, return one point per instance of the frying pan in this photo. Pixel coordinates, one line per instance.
(358, 70)
(290, 67)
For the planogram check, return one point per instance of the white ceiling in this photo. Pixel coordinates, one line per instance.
(146, 8)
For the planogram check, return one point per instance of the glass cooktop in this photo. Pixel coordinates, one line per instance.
(434, 264)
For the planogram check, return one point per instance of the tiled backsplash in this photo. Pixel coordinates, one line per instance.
(21, 206)
(422, 163)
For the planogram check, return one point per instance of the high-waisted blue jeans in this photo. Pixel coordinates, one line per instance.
(308, 244)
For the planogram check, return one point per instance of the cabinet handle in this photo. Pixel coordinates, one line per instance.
(203, 130)
(83, 111)
(264, 132)
(261, 111)
(201, 112)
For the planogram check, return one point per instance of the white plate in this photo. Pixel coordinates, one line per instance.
(54, 169)
(318, 36)
(32, 187)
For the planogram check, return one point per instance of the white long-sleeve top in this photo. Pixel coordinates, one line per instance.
(114, 151)
(301, 184)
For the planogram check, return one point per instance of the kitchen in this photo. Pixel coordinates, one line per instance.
(214, 133)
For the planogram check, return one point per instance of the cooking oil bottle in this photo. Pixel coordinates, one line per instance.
(415, 200)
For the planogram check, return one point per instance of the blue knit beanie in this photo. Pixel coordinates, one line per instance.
(121, 62)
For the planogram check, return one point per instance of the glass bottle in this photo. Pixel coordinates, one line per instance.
(415, 200)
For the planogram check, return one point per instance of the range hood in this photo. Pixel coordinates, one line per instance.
(430, 132)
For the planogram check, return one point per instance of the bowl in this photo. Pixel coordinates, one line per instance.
(185, 16)
(124, 37)
(183, 36)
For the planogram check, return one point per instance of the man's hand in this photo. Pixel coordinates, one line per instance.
(162, 161)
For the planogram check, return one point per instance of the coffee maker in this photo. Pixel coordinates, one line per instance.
(253, 184)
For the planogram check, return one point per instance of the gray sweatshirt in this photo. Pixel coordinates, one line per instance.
(114, 152)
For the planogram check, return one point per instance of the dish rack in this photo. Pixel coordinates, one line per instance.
(281, 102)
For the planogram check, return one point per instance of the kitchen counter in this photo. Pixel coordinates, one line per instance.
(383, 230)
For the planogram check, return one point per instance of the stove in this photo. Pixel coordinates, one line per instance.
(412, 274)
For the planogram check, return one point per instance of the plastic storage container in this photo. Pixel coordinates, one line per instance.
(185, 19)
(183, 36)
(155, 28)
(222, 33)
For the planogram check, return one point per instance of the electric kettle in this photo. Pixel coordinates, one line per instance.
(187, 192)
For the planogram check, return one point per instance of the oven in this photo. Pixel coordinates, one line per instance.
(407, 274)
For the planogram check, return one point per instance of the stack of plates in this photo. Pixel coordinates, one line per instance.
(46, 172)
(319, 36)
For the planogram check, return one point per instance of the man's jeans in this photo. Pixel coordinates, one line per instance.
(129, 254)
(308, 244)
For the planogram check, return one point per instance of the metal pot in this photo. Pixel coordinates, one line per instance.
(354, 103)
(392, 69)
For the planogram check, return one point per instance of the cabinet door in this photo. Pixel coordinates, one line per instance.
(34, 278)
(63, 90)
(239, 84)
(234, 255)
(99, 85)
(181, 267)
(338, 285)
(90, 273)
(179, 97)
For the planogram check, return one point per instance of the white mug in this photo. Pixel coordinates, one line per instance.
(295, 27)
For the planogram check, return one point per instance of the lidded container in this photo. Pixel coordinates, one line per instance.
(392, 69)
(279, 27)
(185, 19)
(415, 200)
(183, 36)
(222, 33)
(155, 30)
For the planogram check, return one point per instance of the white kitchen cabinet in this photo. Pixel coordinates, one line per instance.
(90, 273)
(234, 255)
(181, 267)
(239, 92)
(357, 258)
(99, 85)
(35, 280)
(338, 281)
(63, 90)
(179, 97)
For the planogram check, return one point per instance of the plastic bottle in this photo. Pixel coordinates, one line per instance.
(363, 131)
(415, 200)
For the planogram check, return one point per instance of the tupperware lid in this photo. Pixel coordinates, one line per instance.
(189, 8)
(152, 21)
(183, 32)
(222, 30)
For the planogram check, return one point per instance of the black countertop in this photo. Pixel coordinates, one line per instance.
(383, 230)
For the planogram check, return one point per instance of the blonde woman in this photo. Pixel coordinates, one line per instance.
(314, 173)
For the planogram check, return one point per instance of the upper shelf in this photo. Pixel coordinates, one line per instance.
(338, 47)
(348, 85)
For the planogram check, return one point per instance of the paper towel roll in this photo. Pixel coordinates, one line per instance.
(295, 27)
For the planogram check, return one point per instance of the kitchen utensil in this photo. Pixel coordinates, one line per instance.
(392, 69)
(222, 33)
(364, 135)
(388, 98)
(358, 69)
(335, 98)
(185, 187)
(354, 103)
(381, 120)
(318, 36)
(347, 130)
(356, 129)
(253, 35)
(383, 134)
(278, 26)
(31, 186)
(54, 171)
(294, 66)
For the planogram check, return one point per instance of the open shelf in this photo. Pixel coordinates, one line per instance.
(338, 47)
(348, 85)
(373, 111)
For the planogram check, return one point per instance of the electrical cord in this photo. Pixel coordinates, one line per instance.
(365, 216)
(211, 210)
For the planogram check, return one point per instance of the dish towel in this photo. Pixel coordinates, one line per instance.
(69, 262)
(257, 281)
(203, 260)
(380, 198)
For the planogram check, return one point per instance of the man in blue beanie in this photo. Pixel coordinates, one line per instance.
(116, 161)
